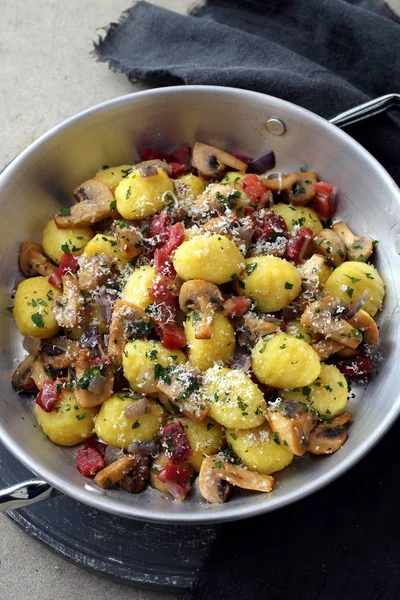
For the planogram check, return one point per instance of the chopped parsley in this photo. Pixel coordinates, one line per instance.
(64, 212)
(38, 320)
(136, 424)
(288, 285)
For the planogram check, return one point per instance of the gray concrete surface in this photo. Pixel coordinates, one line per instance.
(47, 75)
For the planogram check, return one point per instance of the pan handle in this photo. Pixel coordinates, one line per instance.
(25, 493)
(367, 110)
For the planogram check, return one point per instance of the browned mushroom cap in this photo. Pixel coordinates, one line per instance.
(204, 298)
(93, 271)
(69, 309)
(327, 347)
(327, 438)
(181, 394)
(214, 470)
(92, 387)
(22, 378)
(95, 203)
(293, 422)
(129, 240)
(363, 321)
(240, 231)
(311, 271)
(33, 260)
(217, 198)
(212, 162)
(324, 316)
(299, 186)
(115, 471)
(331, 246)
(358, 248)
(136, 480)
(58, 352)
(127, 319)
(39, 373)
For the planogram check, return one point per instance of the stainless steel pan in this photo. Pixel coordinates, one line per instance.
(42, 177)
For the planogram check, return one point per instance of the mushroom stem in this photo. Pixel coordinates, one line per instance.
(33, 260)
(95, 203)
(125, 317)
(203, 298)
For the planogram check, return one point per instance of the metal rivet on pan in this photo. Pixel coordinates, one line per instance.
(275, 126)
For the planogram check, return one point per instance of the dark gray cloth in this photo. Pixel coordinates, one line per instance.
(325, 55)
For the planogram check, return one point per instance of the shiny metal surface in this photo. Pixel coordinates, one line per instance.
(41, 179)
(275, 126)
(367, 110)
(25, 494)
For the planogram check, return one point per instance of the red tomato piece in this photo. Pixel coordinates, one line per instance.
(176, 236)
(69, 264)
(182, 155)
(174, 473)
(48, 397)
(355, 367)
(159, 227)
(298, 244)
(175, 442)
(254, 188)
(324, 203)
(172, 336)
(177, 169)
(236, 306)
(89, 461)
(150, 154)
(269, 226)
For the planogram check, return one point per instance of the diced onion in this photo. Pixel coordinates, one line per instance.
(138, 408)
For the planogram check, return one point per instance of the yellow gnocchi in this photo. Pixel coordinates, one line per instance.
(143, 362)
(137, 289)
(234, 399)
(219, 348)
(351, 279)
(211, 257)
(298, 216)
(58, 241)
(112, 176)
(104, 244)
(259, 449)
(116, 429)
(139, 197)
(271, 281)
(33, 307)
(204, 439)
(67, 424)
(327, 394)
(283, 361)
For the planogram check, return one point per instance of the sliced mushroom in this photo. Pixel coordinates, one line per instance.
(358, 248)
(115, 472)
(129, 240)
(327, 438)
(95, 203)
(58, 352)
(214, 470)
(93, 382)
(252, 327)
(93, 271)
(181, 394)
(327, 347)
(240, 231)
(216, 199)
(293, 422)
(298, 186)
(33, 260)
(331, 246)
(204, 298)
(39, 373)
(128, 320)
(312, 271)
(324, 316)
(22, 378)
(69, 309)
(136, 480)
(212, 162)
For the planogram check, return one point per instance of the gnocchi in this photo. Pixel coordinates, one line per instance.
(139, 197)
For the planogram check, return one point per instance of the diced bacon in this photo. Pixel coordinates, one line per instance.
(355, 367)
(69, 264)
(177, 169)
(176, 479)
(254, 188)
(324, 200)
(163, 264)
(182, 155)
(241, 157)
(150, 154)
(172, 336)
(89, 461)
(159, 227)
(94, 442)
(298, 245)
(175, 442)
(48, 397)
(236, 306)
(268, 227)
(175, 237)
